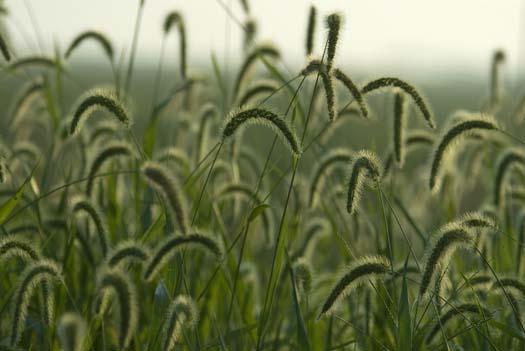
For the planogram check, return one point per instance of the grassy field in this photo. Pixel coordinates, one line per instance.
(259, 207)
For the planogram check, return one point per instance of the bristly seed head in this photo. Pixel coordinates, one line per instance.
(451, 136)
(160, 178)
(99, 99)
(310, 30)
(365, 165)
(333, 23)
(442, 244)
(247, 115)
(360, 271)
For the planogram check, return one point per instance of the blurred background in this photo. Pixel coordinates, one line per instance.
(434, 44)
(412, 35)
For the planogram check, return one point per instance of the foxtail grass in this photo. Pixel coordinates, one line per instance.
(34, 275)
(182, 315)
(160, 178)
(451, 137)
(391, 82)
(93, 35)
(364, 165)
(169, 247)
(246, 116)
(359, 272)
(310, 30)
(96, 100)
(71, 330)
(442, 245)
(176, 19)
(118, 283)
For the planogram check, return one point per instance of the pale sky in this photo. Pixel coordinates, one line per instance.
(432, 36)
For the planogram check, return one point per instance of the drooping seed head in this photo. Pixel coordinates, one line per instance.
(17, 246)
(169, 247)
(262, 86)
(441, 246)
(33, 62)
(412, 140)
(94, 35)
(314, 231)
(120, 285)
(24, 100)
(477, 220)
(33, 275)
(175, 18)
(105, 128)
(160, 178)
(173, 154)
(233, 189)
(83, 205)
(207, 113)
(353, 90)
(477, 281)
(508, 159)
(451, 137)
(360, 271)
(110, 151)
(265, 50)
(96, 100)
(25, 149)
(182, 314)
(247, 115)
(391, 82)
(125, 251)
(71, 330)
(303, 276)
(327, 162)
(315, 66)
(365, 165)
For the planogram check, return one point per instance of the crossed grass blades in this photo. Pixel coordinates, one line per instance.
(239, 213)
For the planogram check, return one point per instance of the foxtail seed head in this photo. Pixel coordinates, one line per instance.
(310, 30)
(71, 331)
(408, 89)
(451, 136)
(509, 158)
(119, 283)
(33, 275)
(175, 18)
(365, 165)
(442, 245)
(96, 36)
(248, 115)
(95, 100)
(360, 271)
(160, 178)
(169, 247)
(333, 24)
(182, 314)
